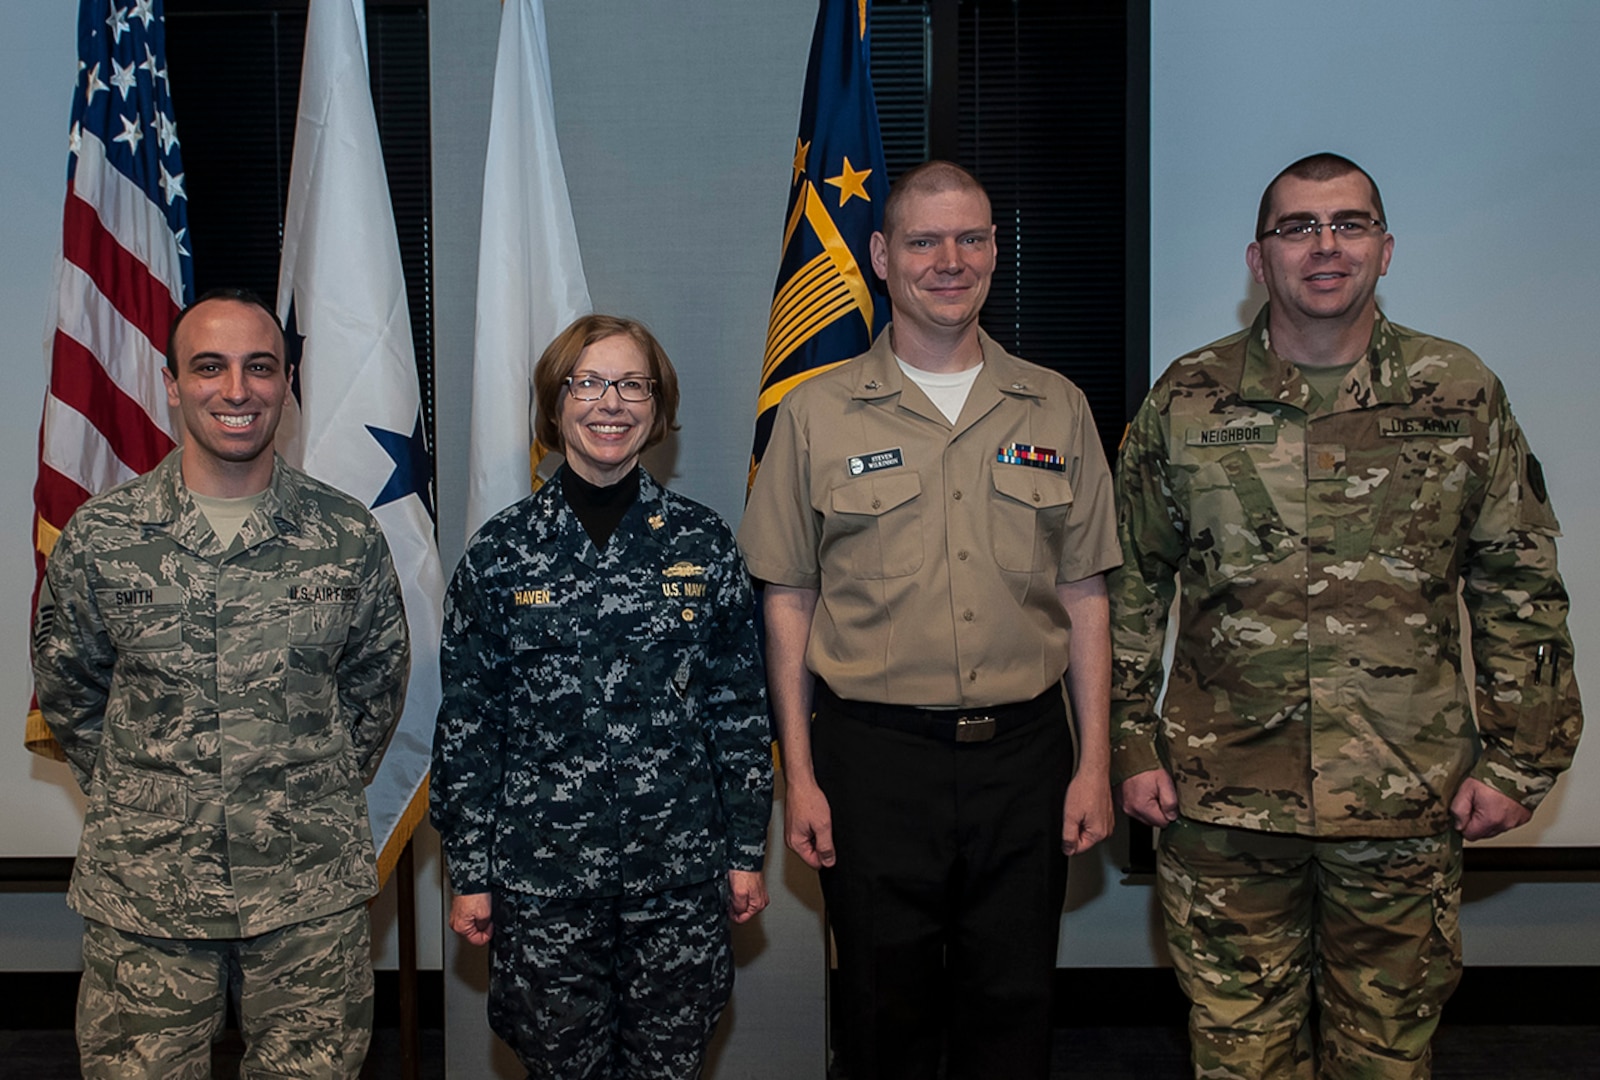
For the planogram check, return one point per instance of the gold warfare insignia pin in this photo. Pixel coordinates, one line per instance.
(684, 568)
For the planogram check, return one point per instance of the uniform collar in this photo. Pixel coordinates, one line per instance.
(1377, 378)
(653, 505)
(647, 519)
(168, 505)
(876, 376)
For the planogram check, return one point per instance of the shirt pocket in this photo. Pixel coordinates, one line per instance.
(143, 620)
(1421, 521)
(544, 671)
(320, 625)
(540, 628)
(876, 525)
(148, 793)
(319, 618)
(1234, 524)
(657, 658)
(1029, 517)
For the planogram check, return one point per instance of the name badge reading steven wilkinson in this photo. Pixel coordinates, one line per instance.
(875, 461)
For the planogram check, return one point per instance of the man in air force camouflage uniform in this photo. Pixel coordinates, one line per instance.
(1318, 489)
(221, 651)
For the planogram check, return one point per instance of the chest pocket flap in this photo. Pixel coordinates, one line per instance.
(877, 495)
(1039, 488)
(142, 619)
(877, 524)
(1030, 513)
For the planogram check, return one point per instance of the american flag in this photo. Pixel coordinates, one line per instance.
(123, 275)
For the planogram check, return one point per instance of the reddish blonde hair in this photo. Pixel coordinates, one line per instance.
(561, 359)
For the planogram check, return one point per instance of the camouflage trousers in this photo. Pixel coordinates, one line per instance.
(1259, 922)
(149, 1007)
(617, 987)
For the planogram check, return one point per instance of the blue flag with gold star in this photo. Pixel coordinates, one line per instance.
(824, 309)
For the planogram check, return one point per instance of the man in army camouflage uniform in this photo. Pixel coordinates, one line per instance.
(221, 652)
(1319, 489)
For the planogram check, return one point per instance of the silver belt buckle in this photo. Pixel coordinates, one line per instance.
(974, 728)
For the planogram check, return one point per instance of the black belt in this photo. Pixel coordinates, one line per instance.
(978, 724)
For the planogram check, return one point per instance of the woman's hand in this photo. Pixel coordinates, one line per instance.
(471, 917)
(747, 894)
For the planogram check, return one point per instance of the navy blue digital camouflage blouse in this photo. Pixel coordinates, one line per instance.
(603, 730)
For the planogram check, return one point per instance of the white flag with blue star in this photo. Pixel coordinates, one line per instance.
(360, 427)
(530, 276)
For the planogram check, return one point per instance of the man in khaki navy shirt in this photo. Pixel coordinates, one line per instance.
(933, 520)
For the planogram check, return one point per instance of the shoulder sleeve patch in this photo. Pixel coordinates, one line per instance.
(1534, 509)
(1535, 479)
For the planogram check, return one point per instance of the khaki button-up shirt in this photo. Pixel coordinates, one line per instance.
(936, 562)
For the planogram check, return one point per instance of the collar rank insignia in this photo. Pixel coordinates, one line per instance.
(655, 521)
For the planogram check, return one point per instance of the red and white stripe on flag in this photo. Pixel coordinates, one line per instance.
(122, 277)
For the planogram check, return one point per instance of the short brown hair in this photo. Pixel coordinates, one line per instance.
(561, 358)
(238, 296)
(930, 178)
(1318, 167)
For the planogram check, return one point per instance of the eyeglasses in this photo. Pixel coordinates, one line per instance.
(1296, 232)
(592, 388)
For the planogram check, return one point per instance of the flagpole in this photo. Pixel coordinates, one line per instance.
(406, 911)
(360, 423)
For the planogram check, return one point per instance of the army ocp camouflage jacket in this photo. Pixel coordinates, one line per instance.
(1317, 685)
(604, 728)
(221, 708)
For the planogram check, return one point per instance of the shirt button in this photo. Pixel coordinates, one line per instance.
(876, 503)
(1035, 496)
(958, 495)
(962, 555)
(972, 676)
(967, 615)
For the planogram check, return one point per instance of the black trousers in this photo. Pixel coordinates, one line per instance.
(946, 894)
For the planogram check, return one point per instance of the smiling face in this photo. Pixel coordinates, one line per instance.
(229, 390)
(1325, 278)
(602, 439)
(937, 259)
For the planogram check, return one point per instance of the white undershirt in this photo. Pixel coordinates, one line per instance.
(947, 390)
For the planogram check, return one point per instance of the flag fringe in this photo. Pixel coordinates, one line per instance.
(38, 739)
(414, 814)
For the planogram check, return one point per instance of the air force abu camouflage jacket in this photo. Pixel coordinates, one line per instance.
(604, 728)
(221, 708)
(1317, 684)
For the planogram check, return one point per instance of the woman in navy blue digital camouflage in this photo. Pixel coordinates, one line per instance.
(602, 765)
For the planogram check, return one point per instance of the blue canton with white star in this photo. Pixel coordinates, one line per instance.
(124, 100)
